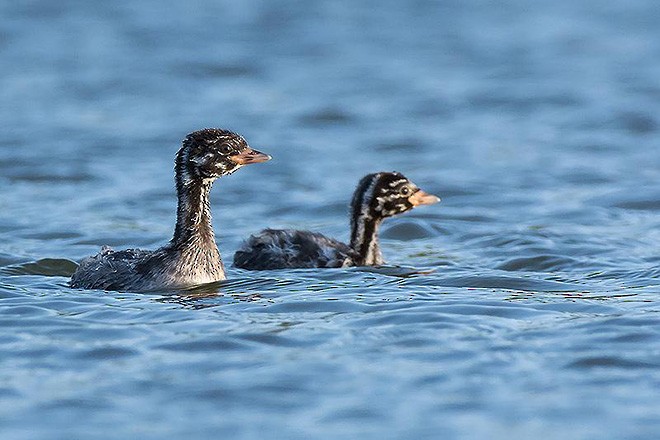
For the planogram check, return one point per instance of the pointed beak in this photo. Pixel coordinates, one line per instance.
(249, 156)
(423, 198)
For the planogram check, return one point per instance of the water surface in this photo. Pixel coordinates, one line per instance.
(524, 305)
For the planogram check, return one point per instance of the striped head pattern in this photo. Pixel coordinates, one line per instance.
(210, 153)
(382, 195)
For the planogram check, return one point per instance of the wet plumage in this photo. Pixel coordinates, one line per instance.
(191, 257)
(277, 248)
(377, 196)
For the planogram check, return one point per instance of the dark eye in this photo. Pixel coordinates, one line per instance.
(225, 149)
(405, 191)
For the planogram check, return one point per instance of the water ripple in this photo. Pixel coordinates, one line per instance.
(611, 362)
(525, 305)
(44, 266)
(544, 263)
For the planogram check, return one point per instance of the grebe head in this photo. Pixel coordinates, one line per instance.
(212, 152)
(382, 195)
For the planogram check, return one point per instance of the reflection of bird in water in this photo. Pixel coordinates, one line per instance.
(206, 298)
(377, 197)
(192, 256)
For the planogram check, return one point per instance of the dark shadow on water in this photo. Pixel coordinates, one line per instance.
(394, 271)
(326, 116)
(51, 267)
(494, 281)
(202, 70)
(538, 263)
(410, 229)
(582, 296)
(592, 362)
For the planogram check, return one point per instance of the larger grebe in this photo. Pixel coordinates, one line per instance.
(376, 197)
(192, 256)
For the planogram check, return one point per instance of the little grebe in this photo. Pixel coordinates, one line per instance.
(192, 256)
(376, 197)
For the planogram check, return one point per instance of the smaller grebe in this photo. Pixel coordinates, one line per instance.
(192, 256)
(376, 197)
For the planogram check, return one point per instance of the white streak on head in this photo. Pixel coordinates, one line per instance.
(397, 182)
(369, 191)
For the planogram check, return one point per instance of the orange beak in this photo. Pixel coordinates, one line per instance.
(422, 198)
(249, 156)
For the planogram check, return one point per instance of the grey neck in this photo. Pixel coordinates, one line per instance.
(193, 216)
(192, 256)
(196, 253)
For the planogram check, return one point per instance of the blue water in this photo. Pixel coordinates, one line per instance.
(525, 305)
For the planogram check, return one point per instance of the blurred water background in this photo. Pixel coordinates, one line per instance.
(525, 305)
